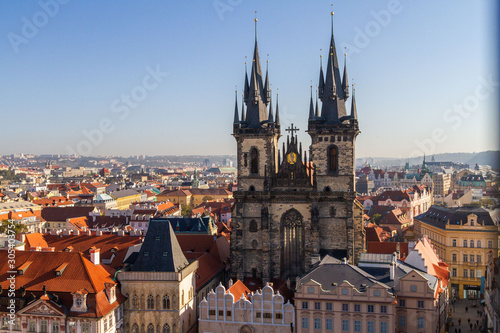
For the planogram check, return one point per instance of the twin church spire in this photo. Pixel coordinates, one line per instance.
(257, 96)
(333, 91)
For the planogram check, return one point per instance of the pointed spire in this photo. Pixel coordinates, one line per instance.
(271, 115)
(256, 102)
(242, 108)
(321, 84)
(345, 83)
(277, 111)
(236, 118)
(267, 89)
(247, 86)
(317, 109)
(331, 93)
(354, 110)
(311, 107)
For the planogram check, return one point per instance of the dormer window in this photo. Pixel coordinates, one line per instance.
(79, 301)
(110, 292)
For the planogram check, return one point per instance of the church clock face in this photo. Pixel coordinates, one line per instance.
(291, 158)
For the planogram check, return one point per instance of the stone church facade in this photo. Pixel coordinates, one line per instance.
(294, 206)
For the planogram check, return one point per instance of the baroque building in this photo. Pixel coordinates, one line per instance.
(294, 206)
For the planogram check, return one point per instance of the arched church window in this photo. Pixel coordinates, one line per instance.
(253, 226)
(254, 161)
(166, 302)
(135, 329)
(327, 189)
(254, 244)
(333, 162)
(246, 329)
(151, 328)
(135, 302)
(151, 303)
(166, 328)
(292, 250)
(252, 188)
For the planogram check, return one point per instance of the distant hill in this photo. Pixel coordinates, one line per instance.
(490, 157)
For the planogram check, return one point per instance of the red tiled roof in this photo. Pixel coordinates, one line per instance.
(53, 201)
(81, 223)
(79, 274)
(208, 267)
(387, 247)
(106, 242)
(35, 239)
(238, 289)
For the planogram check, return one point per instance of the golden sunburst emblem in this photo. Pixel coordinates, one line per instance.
(291, 158)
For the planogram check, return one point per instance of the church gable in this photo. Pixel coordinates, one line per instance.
(293, 168)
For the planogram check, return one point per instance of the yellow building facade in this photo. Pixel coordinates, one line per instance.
(462, 237)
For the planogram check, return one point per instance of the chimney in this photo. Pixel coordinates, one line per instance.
(95, 256)
(98, 233)
(89, 232)
(22, 237)
(121, 233)
(48, 249)
(230, 283)
(392, 270)
(35, 248)
(345, 261)
(77, 233)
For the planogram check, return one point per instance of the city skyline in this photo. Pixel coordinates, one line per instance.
(73, 65)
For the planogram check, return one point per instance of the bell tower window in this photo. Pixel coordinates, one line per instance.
(254, 161)
(333, 162)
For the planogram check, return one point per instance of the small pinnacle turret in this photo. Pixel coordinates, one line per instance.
(236, 117)
(321, 84)
(345, 83)
(311, 107)
(271, 115)
(354, 111)
(277, 112)
(243, 108)
(267, 89)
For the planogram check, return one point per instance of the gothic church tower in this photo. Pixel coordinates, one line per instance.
(290, 209)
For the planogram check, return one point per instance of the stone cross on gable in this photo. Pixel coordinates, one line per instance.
(292, 129)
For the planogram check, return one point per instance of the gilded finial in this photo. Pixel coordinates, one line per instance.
(332, 18)
(255, 26)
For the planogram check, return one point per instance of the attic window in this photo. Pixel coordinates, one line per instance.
(23, 267)
(165, 253)
(60, 269)
(157, 237)
(146, 253)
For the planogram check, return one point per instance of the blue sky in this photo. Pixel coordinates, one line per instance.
(423, 73)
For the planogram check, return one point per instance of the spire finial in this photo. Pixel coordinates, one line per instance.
(255, 26)
(332, 18)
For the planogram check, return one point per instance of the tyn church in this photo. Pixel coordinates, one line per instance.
(294, 206)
